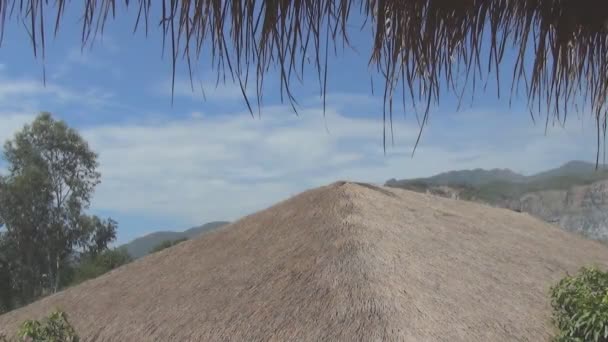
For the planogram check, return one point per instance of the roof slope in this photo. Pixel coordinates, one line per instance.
(344, 262)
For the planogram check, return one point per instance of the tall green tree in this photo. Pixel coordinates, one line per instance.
(97, 234)
(6, 291)
(24, 207)
(50, 181)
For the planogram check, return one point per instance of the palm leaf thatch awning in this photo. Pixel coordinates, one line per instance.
(419, 46)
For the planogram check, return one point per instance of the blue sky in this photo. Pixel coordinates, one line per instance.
(174, 166)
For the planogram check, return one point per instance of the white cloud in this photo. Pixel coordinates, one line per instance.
(11, 122)
(78, 56)
(222, 166)
(206, 167)
(225, 166)
(29, 93)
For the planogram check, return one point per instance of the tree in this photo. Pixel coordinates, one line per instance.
(97, 234)
(24, 198)
(6, 293)
(93, 265)
(51, 177)
(166, 244)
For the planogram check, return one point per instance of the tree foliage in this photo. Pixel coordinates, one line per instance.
(24, 198)
(93, 265)
(166, 244)
(6, 293)
(50, 181)
(580, 306)
(96, 233)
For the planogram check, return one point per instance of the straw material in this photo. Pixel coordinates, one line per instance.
(560, 46)
(344, 262)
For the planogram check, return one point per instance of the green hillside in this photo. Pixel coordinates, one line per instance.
(497, 185)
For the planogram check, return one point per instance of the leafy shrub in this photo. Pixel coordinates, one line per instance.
(580, 306)
(54, 328)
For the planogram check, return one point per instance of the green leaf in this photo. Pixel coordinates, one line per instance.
(580, 309)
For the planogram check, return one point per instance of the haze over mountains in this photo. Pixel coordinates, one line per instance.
(574, 196)
(143, 245)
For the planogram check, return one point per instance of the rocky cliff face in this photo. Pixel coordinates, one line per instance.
(573, 196)
(581, 209)
(444, 191)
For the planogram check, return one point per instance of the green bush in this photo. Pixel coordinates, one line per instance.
(580, 306)
(54, 328)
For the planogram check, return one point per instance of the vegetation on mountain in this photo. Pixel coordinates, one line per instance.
(496, 186)
(573, 196)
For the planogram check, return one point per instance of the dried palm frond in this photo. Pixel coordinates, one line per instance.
(561, 46)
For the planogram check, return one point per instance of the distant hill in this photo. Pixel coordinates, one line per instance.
(578, 169)
(574, 195)
(474, 177)
(143, 245)
(503, 184)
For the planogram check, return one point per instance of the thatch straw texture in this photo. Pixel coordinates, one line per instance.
(345, 262)
(420, 47)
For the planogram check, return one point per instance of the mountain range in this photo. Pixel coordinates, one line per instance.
(574, 196)
(143, 245)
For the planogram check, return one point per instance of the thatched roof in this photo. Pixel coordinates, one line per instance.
(418, 46)
(344, 262)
